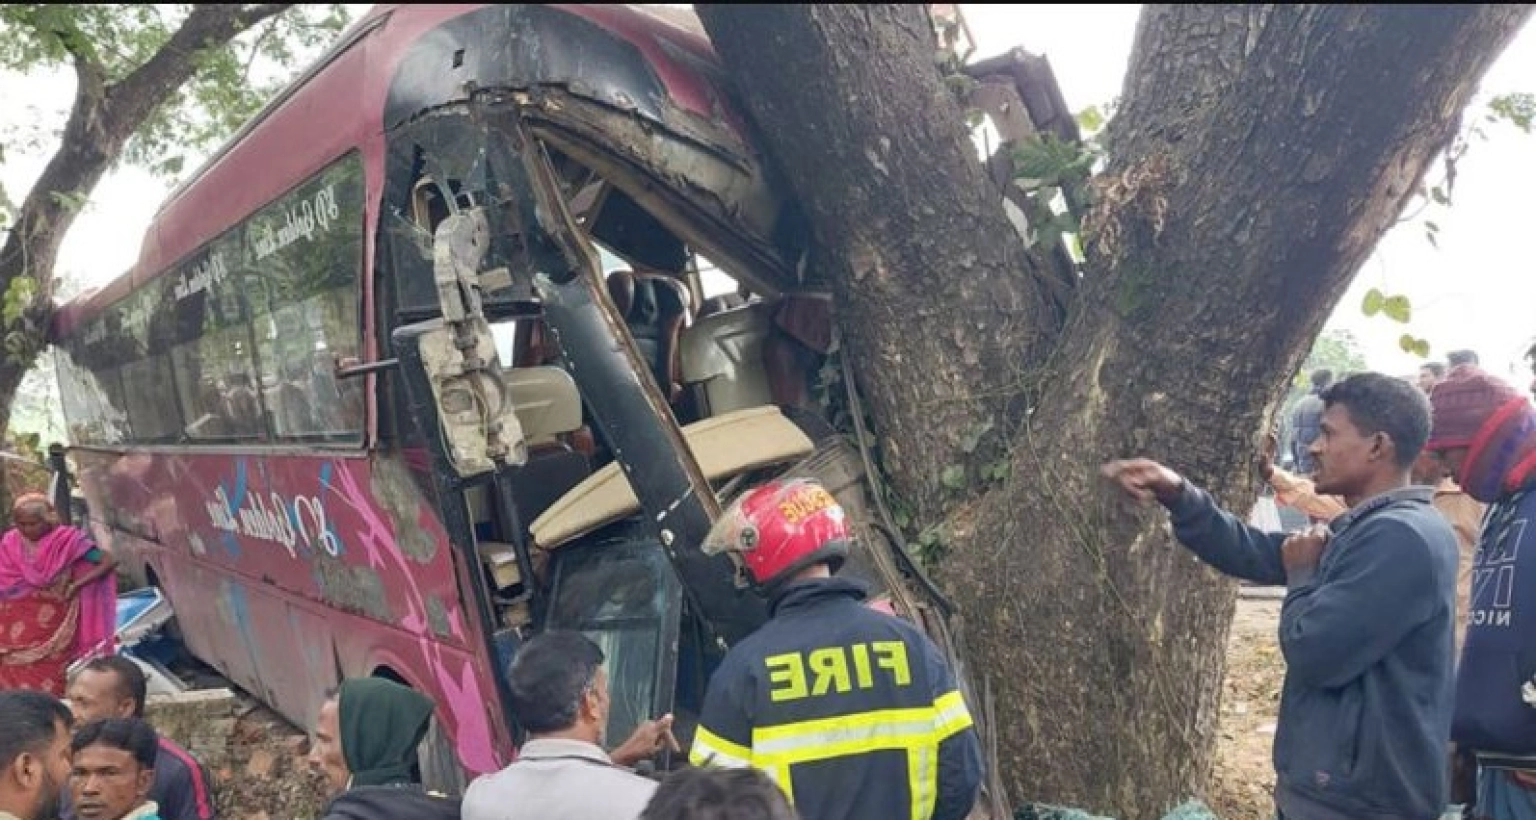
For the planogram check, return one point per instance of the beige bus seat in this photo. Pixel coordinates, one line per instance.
(548, 403)
(549, 408)
(724, 446)
(722, 358)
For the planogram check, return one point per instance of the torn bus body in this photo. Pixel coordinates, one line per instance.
(465, 337)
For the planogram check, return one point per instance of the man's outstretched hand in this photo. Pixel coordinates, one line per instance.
(649, 738)
(1144, 480)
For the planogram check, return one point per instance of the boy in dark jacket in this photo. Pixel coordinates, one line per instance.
(1485, 435)
(1366, 627)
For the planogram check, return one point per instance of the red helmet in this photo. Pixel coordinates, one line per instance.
(781, 528)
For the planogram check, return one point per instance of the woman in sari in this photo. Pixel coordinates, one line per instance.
(58, 598)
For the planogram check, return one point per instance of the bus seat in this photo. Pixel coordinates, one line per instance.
(724, 446)
(501, 560)
(547, 401)
(655, 308)
(722, 358)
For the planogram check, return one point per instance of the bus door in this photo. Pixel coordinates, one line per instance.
(461, 399)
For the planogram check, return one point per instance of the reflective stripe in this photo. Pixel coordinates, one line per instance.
(916, 731)
(951, 715)
(923, 779)
(710, 749)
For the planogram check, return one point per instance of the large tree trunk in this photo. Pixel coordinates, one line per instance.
(1259, 154)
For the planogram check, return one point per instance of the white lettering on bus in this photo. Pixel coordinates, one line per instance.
(210, 271)
(267, 519)
(301, 221)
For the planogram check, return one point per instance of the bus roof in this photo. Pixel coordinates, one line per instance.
(339, 103)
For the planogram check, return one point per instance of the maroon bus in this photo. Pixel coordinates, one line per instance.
(435, 353)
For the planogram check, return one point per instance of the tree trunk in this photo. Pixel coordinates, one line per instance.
(1259, 154)
(895, 195)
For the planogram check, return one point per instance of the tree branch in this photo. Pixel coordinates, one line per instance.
(208, 26)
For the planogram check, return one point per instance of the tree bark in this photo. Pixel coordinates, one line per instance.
(1259, 154)
(895, 192)
(102, 118)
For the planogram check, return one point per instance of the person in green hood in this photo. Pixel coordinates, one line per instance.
(365, 746)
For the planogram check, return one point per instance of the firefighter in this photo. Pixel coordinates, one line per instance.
(852, 712)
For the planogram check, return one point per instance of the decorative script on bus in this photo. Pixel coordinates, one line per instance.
(272, 519)
(301, 221)
(210, 271)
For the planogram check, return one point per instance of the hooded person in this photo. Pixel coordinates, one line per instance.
(1484, 435)
(365, 745)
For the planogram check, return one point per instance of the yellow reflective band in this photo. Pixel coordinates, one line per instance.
(951, 716)
(710, 749)
(924, 779)
(916, 731)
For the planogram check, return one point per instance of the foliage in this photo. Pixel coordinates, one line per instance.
(1335, 350)
(117, 39)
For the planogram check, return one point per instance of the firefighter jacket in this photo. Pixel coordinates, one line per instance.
(854, 713)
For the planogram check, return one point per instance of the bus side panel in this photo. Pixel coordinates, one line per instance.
(279, 564)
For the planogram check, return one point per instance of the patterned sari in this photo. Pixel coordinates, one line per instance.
(42, 630)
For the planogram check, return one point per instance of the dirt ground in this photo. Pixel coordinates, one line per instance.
(1244, 775)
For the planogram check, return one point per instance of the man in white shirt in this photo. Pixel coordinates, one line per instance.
(560, 697)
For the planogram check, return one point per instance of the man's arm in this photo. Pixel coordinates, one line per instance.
(1379, 588)
(724, 734)
(960, 761)
(181, 786)
(1225, 541)
(1219, 538)
(1301, 494)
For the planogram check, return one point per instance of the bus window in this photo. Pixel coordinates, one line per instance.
(208, 369)
(93, 400)
(212, 357)
(151, 398)
(304, 253)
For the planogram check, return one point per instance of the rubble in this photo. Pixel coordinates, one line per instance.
(255, 758)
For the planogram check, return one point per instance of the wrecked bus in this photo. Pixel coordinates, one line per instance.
(467, 335)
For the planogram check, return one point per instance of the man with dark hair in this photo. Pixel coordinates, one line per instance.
(1430, 374)
(1366, 627)
(113, 765)
(560, 697)
(1462, 358)
(1304, 420)
(718, 794)
(34, 755)
(113, 686)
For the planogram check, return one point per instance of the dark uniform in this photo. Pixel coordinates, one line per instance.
(854, 713)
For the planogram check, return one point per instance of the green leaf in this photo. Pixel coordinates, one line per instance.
(1090, 119)
(1398, 309)
(1409, 344)
(953, 477)
(1374, 300)
(1437, 194)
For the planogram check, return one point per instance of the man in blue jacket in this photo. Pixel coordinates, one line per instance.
(1366, 627)
(1485, 435)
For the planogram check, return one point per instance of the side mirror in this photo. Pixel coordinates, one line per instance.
(452, 374)
(463, 407)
